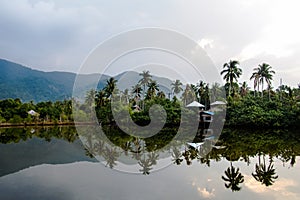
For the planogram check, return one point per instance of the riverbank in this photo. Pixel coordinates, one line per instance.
(25, 124)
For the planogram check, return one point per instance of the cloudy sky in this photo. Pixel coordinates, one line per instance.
(59, 34)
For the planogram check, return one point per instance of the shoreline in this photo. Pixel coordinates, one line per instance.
(41, 124)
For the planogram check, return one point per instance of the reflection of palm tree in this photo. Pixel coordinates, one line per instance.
(234, 178)
(126, 147)
(111, 156)
(99, 147)
(186, 155)
(176, 156)
(147, 163)
(136, 149)
(153, 157)
(146, 166)
(265, 175)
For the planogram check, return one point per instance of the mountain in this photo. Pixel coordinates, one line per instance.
(18, 81)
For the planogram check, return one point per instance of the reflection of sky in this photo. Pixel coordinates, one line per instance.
(85, 180)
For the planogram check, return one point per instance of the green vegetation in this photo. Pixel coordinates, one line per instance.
(15, 112)
(261, 107)
(265, 148)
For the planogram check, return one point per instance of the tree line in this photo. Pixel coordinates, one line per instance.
(263, 106)
(14, 111)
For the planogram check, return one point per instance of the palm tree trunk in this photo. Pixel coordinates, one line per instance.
(262, 89)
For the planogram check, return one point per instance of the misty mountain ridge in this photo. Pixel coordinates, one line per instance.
(18, 81)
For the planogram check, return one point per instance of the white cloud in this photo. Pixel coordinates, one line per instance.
(279, 190)
(205, 193)
(58, 35)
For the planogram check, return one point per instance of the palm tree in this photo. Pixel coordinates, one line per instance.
(137, 91)
(90, 101)
(244, 89)
(188, 95)
(232, 73)
(145, 80)
(201, 91)
(161, 95)
(176, 86)
(266, 74)
(234, 178)
(100, 98)
(261, 74)
(256, 76)
(215, 91)
(90, 97)
(125, 95)
(111, 85)
(152, 88)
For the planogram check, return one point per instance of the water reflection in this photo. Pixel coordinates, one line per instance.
(256, 149)
(233, 178)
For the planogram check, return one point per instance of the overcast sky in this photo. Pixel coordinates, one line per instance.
(59, 34)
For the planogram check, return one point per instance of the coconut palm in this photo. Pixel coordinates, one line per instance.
(100, 98)
(111, 86)
(176, 86)
(152, 89)
(234, 178)
(161, 95)
(256, 76)
(232, 73)
(215, 91)
(125, 96)
(266, 74)
(261, 74)
(137, 91)
(188, 95)
(145, 80)
(201, 91)
(244, 89)
(90, 97)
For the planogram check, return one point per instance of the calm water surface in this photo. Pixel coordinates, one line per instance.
(52, 163)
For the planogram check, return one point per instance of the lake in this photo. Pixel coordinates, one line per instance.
(53, 163)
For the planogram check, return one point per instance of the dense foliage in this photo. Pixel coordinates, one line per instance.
(261, 107)
(14, 111)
